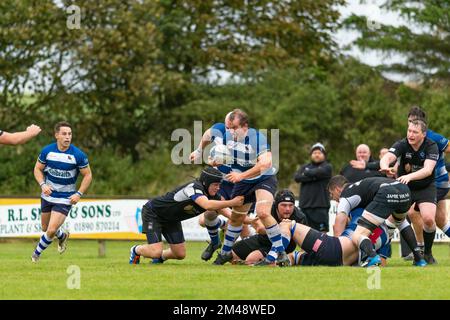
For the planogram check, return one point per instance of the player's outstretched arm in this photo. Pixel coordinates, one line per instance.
(20, 137)
(426, 171)
(212, 205)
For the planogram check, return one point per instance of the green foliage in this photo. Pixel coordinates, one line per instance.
(424, 42)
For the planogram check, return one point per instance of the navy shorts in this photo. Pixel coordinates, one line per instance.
(154, 228)
(441, 193)
(226, 189)
(321, 250)
(248, 189)
(50, 206)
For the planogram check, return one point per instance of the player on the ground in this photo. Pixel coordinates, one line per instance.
(19, 137)
(162, 216)
(321, 249)
(381, 198)
(418, 156)
(254, 249)
(254, 177)
(56, 170)
(441, 182)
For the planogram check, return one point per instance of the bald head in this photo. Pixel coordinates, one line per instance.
(363, 152)
(227, 120)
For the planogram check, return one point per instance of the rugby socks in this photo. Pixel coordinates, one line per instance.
(44, 242)
(60, 235)
(428, 238)
(407, 233)
(366, 246)
(274, 234)
(213, 229)
(230, 238)
(446, 229)
(272, 255)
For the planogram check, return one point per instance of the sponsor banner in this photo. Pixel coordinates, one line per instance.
(89, 219)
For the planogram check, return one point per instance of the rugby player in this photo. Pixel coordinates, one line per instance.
(162, 216)
(441, 182)
(418, 157)
(56, 171)
(254, 177)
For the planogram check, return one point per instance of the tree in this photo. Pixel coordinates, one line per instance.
(424, 42)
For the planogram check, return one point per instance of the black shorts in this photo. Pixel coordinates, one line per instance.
(247, 189)
(257, 242)
(428, 194)
(154, 228)
(317, 218)
(441, 193)
(321, 250)
(391, 198)
(50, 206)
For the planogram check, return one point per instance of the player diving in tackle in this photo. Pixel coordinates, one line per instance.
(163, 215)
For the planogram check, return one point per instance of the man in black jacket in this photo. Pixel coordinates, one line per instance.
(314, 197)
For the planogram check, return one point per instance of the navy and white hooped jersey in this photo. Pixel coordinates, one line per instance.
(61, 171)
(246, 152)
(382, 241)
(440, 173)
(217, 133)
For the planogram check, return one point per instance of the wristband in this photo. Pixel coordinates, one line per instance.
(41, 184)
(79, 193)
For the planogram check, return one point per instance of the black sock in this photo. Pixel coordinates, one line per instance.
(428, 238)
(409, 238)
(366, 247)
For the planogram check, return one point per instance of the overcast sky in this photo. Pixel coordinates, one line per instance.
(371, 9)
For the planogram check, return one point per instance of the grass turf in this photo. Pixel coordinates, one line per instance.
(113, 278)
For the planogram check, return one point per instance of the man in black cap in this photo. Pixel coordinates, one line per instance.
(255, 249)
(314, 197)
(163, 215)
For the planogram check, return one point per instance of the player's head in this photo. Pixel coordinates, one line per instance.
(363, 152)
(63, 134)
(416, 113)
(211, 178)
(284, 203)
(417, 131)
(238, 124)
(336, 185)
(318, 153)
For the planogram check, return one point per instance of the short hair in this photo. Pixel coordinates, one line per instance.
(420, 123)
(337, 181)
(239, 114)
(417, 113)
(61, 124)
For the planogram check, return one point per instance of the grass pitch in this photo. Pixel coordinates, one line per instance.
(113, 278)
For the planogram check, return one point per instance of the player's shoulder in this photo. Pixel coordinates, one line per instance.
(298, 215)
(76, 150)
(219, 126)
(52, 147)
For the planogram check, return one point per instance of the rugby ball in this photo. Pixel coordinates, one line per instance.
(220, 154)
